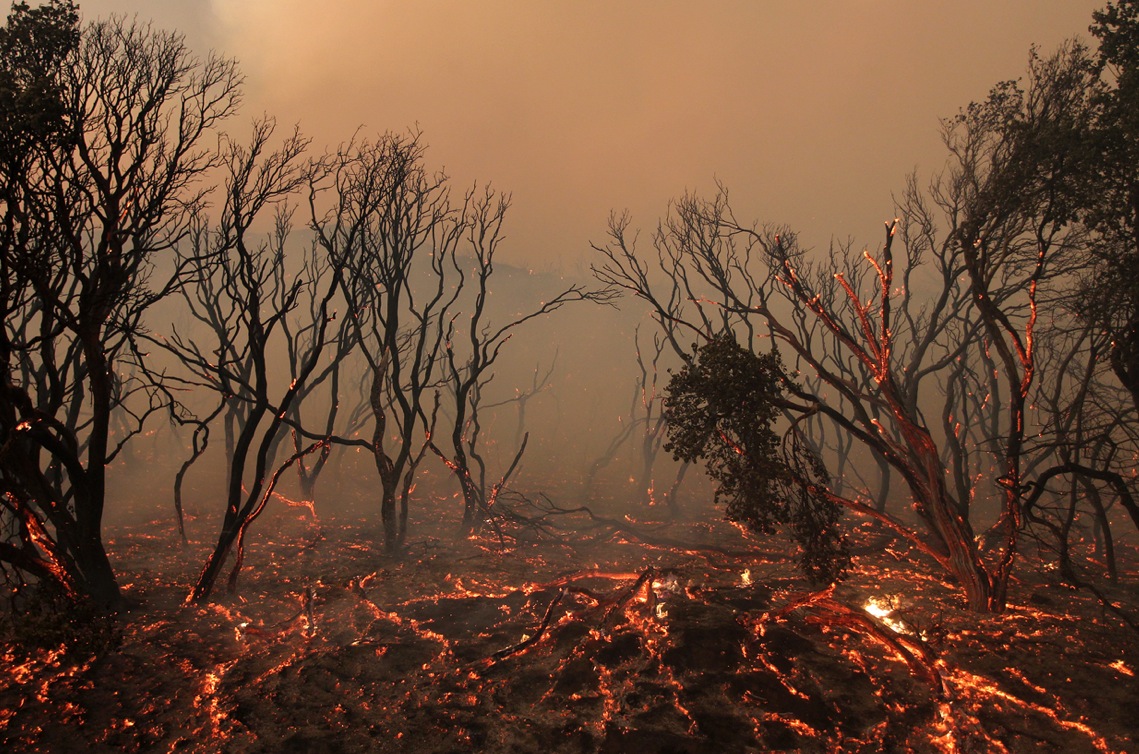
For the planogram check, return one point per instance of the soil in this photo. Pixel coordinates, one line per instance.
(652, 637)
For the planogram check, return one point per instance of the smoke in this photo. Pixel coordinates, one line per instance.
(811, 114)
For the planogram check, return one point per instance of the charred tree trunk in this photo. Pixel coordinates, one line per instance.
(231, 522)
(953, 533)
(1105, 544)
(673, 494)
(385, 466)
(90, 496)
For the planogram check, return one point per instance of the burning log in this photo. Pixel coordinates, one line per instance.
(822, 609)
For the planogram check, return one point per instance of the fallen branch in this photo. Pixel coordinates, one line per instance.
(521, 646)
(820, 608)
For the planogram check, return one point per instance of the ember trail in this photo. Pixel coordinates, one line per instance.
(292, 457)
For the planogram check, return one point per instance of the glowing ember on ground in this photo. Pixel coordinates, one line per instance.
(649, 648)
(1121, 666)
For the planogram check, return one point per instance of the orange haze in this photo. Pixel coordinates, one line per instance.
(811, 113)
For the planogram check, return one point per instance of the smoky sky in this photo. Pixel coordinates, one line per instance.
(812, 114)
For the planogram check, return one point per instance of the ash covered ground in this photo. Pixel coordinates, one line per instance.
(620, 635)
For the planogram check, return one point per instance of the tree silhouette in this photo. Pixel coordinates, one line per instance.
(952, 318)
(99, 187)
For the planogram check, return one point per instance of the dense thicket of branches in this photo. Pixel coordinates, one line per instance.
(971, 363)
(105, 146)
(109, 134)
(972, 379)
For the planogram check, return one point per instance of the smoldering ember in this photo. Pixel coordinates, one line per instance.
(297, 453)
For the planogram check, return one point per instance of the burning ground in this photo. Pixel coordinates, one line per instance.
(620, 636)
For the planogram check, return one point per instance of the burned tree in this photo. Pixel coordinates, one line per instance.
(982, 247)
(1076, 449)
(417, 272)
(1110, 294)
(247, 294)
(239, 366)
(99, 186)
(320, 394)
(34, 47)
(473, 346)
(1083, 460)
(1018, 176)
(379, 214)
(643, 427)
